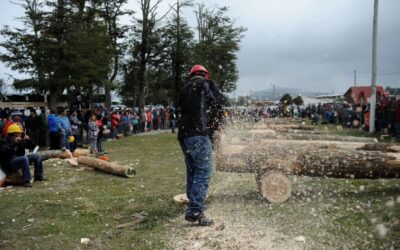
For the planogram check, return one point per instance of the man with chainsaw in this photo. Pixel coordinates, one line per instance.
(200, 112)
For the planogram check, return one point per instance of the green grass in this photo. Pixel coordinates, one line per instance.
(78, 203)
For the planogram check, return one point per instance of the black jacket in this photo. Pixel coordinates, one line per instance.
(9, 150)
(200, 108)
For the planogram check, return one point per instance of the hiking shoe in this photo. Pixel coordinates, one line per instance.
(27, 184)
(204, 221)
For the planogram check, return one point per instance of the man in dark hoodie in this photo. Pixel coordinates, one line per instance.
(200, 114)
(13, 158)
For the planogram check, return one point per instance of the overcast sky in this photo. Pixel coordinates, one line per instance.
(304, 44)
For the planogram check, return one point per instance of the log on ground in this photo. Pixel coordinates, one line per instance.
(106, 166)
(62, 154)
(311, 160)
(251, 137)
(274, 186)
(81, 152)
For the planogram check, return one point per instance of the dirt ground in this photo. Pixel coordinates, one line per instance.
(315, 217)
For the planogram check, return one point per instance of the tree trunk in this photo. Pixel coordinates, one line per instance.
(107, 96)
(53, 100)
(106, 166)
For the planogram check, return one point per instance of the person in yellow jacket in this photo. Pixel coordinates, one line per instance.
(13, 158)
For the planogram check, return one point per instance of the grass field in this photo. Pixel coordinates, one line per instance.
(78, 203)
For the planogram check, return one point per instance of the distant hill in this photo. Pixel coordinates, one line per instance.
(279, 92)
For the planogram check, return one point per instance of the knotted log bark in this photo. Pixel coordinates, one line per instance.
(106, 166)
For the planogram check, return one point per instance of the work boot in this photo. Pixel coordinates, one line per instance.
(204, 221)
(191, 217)
(40, 178)
(201, 218)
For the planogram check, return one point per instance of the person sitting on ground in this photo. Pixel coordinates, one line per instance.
(13, 158)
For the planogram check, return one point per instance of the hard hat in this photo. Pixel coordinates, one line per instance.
(71, 138)
(14, 128)
(196, 69)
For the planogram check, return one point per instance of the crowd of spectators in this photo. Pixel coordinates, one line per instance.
(68, 128)
(387, 118)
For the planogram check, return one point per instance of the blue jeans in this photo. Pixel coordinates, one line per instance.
(22, 162)
(198, 152)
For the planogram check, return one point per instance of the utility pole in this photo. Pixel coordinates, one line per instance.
(273, 89)
(355, 78)
(374, 69)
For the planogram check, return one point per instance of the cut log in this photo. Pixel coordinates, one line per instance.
(246, 137)
(81, 152)
(62, 154)
(378, 147)
(106, 166)
(299, 131)
(311, 160)
(274, 186)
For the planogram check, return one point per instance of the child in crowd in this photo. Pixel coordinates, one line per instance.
(93, 134)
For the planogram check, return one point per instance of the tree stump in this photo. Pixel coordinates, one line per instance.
(274, 186)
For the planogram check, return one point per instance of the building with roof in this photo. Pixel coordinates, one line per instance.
(361, 94)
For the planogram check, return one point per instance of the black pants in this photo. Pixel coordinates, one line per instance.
(54, 140)
(34, 136)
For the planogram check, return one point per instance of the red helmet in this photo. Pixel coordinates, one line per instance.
(199, 70)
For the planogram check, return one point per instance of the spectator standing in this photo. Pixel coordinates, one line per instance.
(93, 134)
(54, 129)
(43, 128)
(32, 126)
(75, 129)
(114, 123)
(65, 129)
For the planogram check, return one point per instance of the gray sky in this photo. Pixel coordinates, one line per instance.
(305, 44)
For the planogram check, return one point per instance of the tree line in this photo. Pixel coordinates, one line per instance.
(82, 47)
